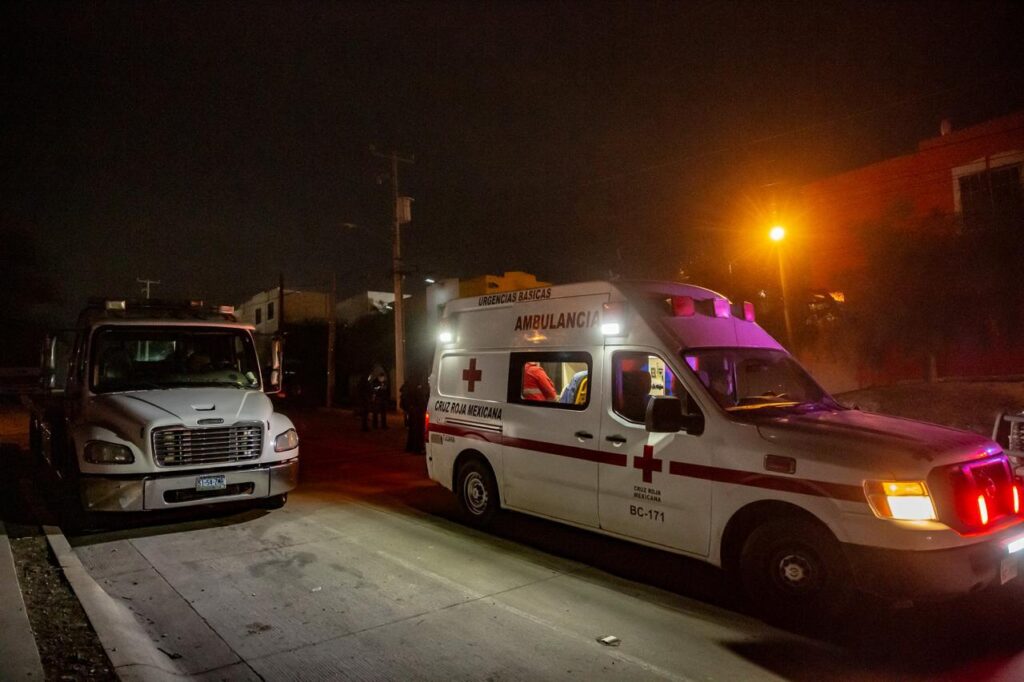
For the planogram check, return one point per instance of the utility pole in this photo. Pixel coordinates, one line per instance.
(401, 214)
(148, 283)
(332, 332)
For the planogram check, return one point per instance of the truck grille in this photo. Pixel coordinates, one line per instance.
(180, 446)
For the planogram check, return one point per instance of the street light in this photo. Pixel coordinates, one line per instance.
(777, 234)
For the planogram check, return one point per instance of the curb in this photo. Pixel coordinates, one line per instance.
(132, 654)
(19, 655)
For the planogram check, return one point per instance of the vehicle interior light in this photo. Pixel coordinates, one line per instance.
(900, 500)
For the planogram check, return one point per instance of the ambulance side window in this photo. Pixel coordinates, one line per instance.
(639, 375)
(559, 380)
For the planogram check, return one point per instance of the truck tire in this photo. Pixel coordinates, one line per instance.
(793, 570)
(477, 492)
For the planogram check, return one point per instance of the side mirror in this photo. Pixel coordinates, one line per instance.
(53, 363)
(273, 384)
(665, 415)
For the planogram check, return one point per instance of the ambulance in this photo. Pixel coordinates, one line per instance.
(661, 413)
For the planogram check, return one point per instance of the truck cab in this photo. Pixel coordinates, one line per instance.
(152, 405)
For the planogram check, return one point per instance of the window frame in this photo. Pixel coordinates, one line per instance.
(689, 403)
(518, 360)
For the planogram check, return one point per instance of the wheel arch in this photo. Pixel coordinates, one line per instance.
(746, 519)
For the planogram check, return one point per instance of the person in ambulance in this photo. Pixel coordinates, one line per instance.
(537, 384)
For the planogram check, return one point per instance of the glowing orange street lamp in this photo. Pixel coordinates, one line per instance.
(777, 234)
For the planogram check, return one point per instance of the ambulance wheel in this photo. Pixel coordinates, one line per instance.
(477, 492)
(793, 570)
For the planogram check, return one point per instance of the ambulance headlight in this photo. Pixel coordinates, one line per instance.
(289, 440)
(101, 452)
(900, 500)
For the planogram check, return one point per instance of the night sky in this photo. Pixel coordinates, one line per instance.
(213, 145)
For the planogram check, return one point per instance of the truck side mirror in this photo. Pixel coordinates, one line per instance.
(53, 363)
(665, 415)
(275, 376)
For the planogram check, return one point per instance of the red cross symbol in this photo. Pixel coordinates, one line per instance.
(473, 375)
(648, 463)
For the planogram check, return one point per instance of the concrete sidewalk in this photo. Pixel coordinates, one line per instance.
(19, 657)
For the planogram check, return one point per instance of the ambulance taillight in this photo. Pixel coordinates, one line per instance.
(426, 427)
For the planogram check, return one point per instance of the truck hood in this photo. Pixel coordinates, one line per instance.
(902, 447)
(126, 412)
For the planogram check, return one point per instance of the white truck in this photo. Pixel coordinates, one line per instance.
(156, 405)
(663, 414)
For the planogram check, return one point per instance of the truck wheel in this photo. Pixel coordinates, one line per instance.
(477, 492)
(793, 570)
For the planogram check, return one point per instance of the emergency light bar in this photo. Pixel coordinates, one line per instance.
(688, 306)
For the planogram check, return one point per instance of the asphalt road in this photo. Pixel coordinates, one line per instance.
(367, 573)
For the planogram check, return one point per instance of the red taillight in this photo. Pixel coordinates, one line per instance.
(982, 510)
(1016, 499)
(426, 427)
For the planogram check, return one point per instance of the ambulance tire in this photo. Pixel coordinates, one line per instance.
(477, 492)
(794, 571)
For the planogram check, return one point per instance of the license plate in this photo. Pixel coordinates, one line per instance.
(211, 483)
(1007, 570)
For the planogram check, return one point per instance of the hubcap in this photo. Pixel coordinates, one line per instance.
(796, 572)
(476, 493)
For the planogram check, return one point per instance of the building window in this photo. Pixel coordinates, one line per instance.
(992, 198)
(270, 311)
(259, 314)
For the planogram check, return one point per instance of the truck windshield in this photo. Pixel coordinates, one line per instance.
(749, 379)
(133, 358)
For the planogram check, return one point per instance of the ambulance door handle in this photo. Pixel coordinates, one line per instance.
(583, 435)
(615, 440)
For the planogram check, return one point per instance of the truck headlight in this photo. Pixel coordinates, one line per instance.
(289, 440)
(101, 452)
(900, 500)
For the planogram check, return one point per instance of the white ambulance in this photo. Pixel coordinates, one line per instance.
(663, 414)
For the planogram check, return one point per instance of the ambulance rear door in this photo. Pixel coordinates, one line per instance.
(650, 484)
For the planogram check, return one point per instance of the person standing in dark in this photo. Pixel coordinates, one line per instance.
(414, 402)
(365, 400)
(379, 399)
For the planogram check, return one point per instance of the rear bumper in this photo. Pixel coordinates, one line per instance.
(936, 574)
(170, 491)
